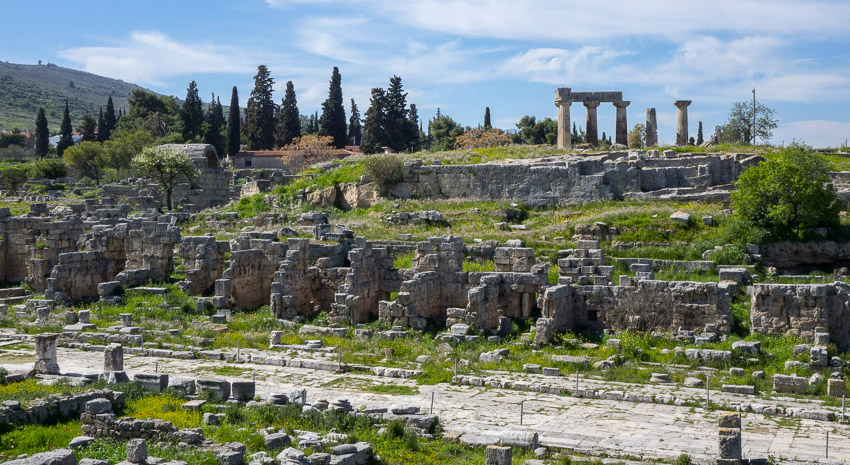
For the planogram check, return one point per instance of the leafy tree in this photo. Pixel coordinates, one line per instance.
(86, 160)
(13, 179)
(120, 150)
(355, 130)
(332, 123)
(444, 132)
(637, 136)
(233, 123)
(192, 113)
(482, 138)
(310, 145)
(374, 133)
(288, 118)
(88, 128)
(700, 139)
(784, 196)
(536, 132)
(100, 125)
(739, 128)
(159, 114)
(259, 117)
(386, 170)
(165, 166)
(214, 125)
(109, 120)
(65, 138)
(42, 134)
(487, 124)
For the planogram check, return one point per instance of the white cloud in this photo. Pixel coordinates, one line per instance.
(583, 65)
(148, 57)
(817, 133)
(804, 88)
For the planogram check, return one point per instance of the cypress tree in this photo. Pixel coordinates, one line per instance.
(192, 113)
(109, 120)
(355, 130)
(487, 124)
(289, 119)
(374, 134)
(414, 138)
(700, 140)
(215, 123)
(233, 123)
(395, 114)
(42, 134)
(332, 123)
(65, 138)
(259, 117)
(100, 126)
(88, 128)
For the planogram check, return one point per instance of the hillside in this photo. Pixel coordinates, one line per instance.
(24, 88)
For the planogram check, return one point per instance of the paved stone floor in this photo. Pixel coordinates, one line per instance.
(478, 414)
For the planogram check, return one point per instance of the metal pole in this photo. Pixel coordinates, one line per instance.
(754, 117)
(707, 393)
(339, 358)
(237, 351)
(521, 408)
(827, 444)
(576, 383)
(843, 398)
(156, 370)
(455, 366)
(432, 402)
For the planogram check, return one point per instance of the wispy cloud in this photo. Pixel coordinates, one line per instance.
(149, 57)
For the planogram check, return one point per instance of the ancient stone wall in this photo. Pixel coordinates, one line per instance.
(76, 276)
(247, 282)
(52, 410)
(798, 309)
(203, 259)
(571, 179)
(151, 247)
(370, 279)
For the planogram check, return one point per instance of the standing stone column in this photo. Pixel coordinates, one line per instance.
(113, 358)
(592, 131)
(622, 128)
(45, 354)
(651, 128)
(565, 138)
(498, 455)
(682, 122)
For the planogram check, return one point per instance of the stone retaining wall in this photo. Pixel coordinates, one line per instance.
(52, 410)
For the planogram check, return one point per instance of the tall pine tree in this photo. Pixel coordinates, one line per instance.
(355, 130)
(192, 113)
(109, 120)
(88, 129)
(100, 126)
(259, 117)
(288, 118)
(215, 124)
(414, 128)
(65, 138)
(233, 125)
(374, 134)
(396, 123)
(487, 124)
(42, 134)
(332, 123)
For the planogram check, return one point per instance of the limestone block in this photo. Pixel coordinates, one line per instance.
(498, 455)
(836, 387)
(137, 451)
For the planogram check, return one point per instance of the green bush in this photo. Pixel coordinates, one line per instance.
(386, 171)
(50, 169)
(787, 195)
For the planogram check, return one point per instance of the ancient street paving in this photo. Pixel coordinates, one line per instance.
(478, 414)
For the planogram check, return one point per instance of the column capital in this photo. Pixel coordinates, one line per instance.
(566, 102)
(591, 103)
(622, 104)
(682, 103)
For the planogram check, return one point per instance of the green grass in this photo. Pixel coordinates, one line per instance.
(29, 390)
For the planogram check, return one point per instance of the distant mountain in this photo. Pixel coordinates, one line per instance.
(24, 88)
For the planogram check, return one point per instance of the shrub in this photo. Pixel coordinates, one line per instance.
(386, 171)
(50, 169)
(788, 195)
(683, 459)
(482, 138)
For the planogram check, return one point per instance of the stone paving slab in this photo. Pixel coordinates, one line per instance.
(477, 414)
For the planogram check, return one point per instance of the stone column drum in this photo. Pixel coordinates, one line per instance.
(113, 358)
(592, 131)
(682, 122)
(45, 354)
(651, 128)
(622, 128)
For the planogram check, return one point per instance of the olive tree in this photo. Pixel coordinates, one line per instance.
(166, 167)
(86, 160)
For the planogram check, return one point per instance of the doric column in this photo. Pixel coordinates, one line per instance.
(564, 134)
(592, 132)
(651, 128)
(622, 127)
(682, 122)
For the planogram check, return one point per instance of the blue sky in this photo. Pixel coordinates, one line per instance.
(464, 55)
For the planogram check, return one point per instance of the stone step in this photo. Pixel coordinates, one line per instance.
(12, 292)
(13, 300)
